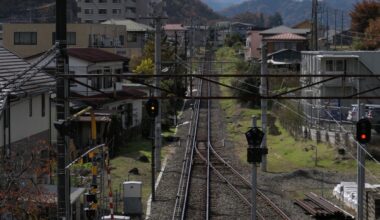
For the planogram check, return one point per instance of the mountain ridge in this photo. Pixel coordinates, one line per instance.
(292, 11)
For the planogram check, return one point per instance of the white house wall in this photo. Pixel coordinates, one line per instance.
(22, 125)
(137, 109)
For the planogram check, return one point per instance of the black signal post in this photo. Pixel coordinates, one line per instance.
(255, 155)
(152, 109)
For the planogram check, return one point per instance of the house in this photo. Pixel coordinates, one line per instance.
(338, 62)
(136, 35)
(175, 31)
(109, 92)
(283, 37)
(240, 28)
(253, 44)
(26, 112)
(98, 11)
(27, 40)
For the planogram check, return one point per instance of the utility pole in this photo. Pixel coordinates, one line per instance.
(361, 164)
(157, 93)
(176, 79)
(327, 27)
(335, 28)
(191, 55)
(315, 25)
(341, 31)
(62, 91)
(264, 102)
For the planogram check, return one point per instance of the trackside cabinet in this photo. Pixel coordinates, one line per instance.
(132, 197)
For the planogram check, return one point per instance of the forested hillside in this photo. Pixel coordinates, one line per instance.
(292, 11)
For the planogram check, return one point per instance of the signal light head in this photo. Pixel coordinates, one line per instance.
(152, 107)
(363, 131)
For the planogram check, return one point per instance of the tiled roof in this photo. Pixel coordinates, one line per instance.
(130, 25)
(11, 67)
(286, 36)
(94, 55)
(284, 29)
(174, 27)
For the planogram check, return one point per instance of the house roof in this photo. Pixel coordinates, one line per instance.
(284, 29)
(101, 99)
(130, 25)
(11, 67)
(174, 27)
(286, 36)
(95, 55)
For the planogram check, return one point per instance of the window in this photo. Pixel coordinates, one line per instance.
(128, 115)
(121, 40)
(88, 21)
(130, 9)
(96, 82)
(88, 1)
(339, 65)
(335, 65)
(71, 38)
(30, 107)
(88, 11)
(102, 11)
(25, 38)
(329, 65)
(102, 1)
(43, 105)
(116, 1)
(116, 11)
(131, 37)
(107, 83)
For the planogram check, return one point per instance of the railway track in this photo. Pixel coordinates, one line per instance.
(206, 173)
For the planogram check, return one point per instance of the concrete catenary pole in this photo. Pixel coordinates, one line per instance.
(361, 163)
(62, 91)
(264, 102)
(315, 25)
(157, 93)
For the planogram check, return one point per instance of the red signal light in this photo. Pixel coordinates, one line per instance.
(363, 136)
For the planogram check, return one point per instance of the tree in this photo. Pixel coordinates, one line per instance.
(362, 13)
(20, 194)
(372, 41)
(275, 20)
(145, 67)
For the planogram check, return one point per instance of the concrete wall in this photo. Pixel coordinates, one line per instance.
(44, 36)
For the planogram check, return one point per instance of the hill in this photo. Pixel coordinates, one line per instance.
(184, 10)
(218, 5)
(292, 11)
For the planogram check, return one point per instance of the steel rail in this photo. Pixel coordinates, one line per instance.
(229, 184)
(185, 165)
(189, 173)
(247, 183)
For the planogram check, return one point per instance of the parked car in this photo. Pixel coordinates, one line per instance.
(372, 112)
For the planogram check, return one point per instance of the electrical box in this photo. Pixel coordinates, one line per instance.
(132, 197)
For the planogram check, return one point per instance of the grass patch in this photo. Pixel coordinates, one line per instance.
(128, 159)
(286, 154)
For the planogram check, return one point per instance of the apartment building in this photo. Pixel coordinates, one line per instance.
(28, 40)
(98, 11)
